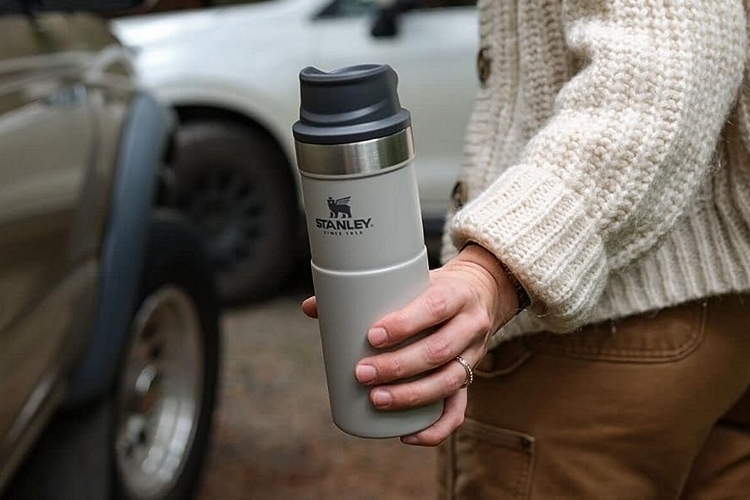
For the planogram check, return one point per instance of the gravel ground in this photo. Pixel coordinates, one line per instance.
(273, 435)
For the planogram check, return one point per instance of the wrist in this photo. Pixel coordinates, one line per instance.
(508, 292)
(523, 299)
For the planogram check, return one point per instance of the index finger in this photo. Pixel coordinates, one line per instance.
(434, 306)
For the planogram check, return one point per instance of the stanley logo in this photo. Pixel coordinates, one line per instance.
(345, 225)
(340, 206)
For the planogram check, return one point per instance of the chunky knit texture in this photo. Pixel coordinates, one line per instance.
(599, 167)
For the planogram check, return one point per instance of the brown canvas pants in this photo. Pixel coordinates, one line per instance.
(648, 407)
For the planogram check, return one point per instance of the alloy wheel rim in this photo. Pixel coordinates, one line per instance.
(160, 392)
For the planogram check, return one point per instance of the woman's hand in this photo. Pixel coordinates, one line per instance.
(468, 299)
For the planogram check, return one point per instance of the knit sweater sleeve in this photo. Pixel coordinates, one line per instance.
(631, 139)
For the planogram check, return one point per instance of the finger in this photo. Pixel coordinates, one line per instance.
(436, 305)
(465, 333)
(310, 307)
(452, 418)
(440, 384)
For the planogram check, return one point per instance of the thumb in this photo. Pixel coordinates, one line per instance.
(310, 307)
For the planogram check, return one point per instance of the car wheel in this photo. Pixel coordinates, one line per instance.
(165, 393)
(236, 187)
(146, 439)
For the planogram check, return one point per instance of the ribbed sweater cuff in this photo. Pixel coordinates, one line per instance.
(539, 228)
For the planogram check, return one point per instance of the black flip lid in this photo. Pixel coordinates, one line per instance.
(351, 104)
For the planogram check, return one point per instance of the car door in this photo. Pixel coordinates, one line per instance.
(433, 51)
(46, 145)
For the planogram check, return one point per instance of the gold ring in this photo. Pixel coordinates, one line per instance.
(469, 371)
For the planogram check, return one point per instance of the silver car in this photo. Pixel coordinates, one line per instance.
(231, 75)
(109, 339)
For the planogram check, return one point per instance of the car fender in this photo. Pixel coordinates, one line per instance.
(142, 147)
(274, 116)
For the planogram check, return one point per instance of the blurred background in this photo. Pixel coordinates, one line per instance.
(153, 248)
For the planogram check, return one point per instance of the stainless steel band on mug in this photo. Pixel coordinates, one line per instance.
(356, 157)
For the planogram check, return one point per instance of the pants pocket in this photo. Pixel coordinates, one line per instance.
(491, 463)
(659, 337)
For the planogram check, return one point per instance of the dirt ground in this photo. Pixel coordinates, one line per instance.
(273, 434)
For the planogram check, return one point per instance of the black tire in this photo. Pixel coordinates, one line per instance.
(236, 186)
(70, 459)
(76, 456)
(174, 263)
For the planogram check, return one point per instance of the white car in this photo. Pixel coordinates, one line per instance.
(232, 75)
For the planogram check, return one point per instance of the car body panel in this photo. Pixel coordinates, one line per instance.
(46, 138)
(66, 86)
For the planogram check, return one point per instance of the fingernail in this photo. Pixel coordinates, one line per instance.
(365, 373)
(381, 398)
(377, 336)
(409, 440)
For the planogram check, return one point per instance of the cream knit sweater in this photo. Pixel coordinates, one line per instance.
(599, 168)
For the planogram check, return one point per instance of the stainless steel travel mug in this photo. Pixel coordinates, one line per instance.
(354, 152)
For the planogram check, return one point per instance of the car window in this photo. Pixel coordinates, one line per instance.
(351, 8)
(171, 5)
(348, 8)
(432, 4)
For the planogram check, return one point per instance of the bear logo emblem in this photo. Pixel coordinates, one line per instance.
(339, 206)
